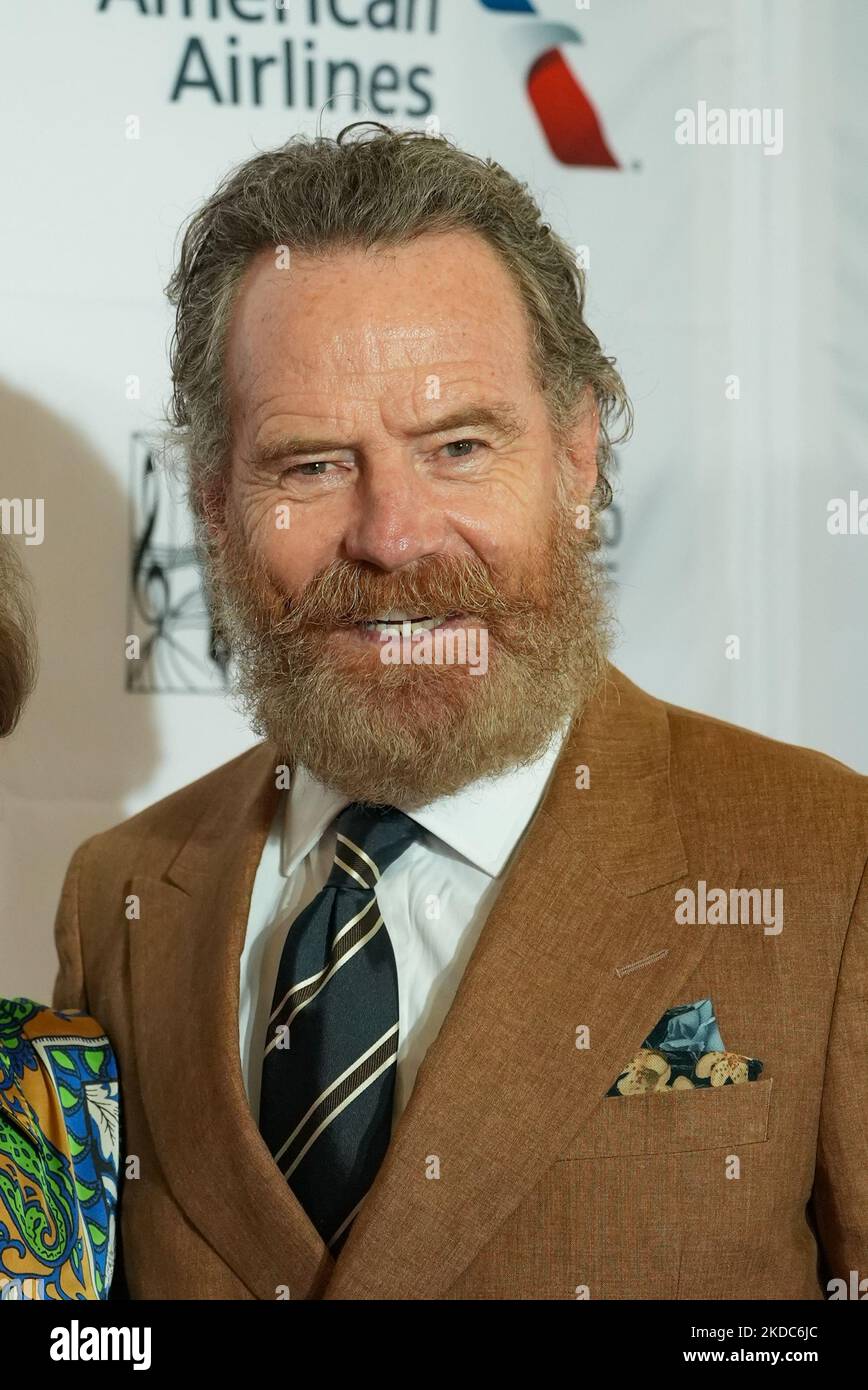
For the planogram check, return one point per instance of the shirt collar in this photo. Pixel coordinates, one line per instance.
(483, 822)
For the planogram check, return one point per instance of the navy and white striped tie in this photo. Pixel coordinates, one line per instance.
(328, 1074)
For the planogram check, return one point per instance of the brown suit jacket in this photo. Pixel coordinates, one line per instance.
(547, 1188)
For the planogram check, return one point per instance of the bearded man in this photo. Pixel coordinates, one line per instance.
(408, 999)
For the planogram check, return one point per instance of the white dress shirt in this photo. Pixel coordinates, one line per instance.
(434, 900)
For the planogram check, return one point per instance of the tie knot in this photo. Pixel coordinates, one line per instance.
(370, 838)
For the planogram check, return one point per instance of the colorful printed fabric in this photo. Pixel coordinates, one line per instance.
(59, 1154)
(682, 1051)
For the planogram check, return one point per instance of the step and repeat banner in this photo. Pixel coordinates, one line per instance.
(706, 159)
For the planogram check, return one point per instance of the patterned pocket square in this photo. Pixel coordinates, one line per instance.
(684, 1050)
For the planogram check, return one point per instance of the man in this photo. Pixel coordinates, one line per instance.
(432, 993)
(59, 1108)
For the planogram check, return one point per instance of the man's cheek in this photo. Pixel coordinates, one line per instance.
(263, 516)
(291, 559)
(506, 527)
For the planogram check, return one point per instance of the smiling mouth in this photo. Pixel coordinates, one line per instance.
(398, 617)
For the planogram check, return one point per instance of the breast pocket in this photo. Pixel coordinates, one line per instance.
(675, 1121)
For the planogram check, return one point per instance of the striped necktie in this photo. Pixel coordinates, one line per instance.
(328, 1074)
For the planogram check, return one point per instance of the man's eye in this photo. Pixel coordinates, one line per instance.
(316, 466)
(464, 444)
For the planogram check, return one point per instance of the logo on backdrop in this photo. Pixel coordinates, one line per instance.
(217, 66)
(568, 118)
(166, 603)
(272, 57)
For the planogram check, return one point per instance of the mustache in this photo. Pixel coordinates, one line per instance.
(345, 593)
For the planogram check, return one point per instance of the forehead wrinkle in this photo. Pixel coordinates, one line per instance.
(305, 374)
(358, 388)
(387, 341)
(324, 423)
(386, 348)
(361, 403)
(338, 286)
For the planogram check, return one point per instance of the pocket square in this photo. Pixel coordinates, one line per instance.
(683, 1051)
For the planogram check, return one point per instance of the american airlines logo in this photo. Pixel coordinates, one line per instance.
(569, 120)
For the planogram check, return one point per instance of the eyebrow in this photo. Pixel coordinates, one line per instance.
(501, 418)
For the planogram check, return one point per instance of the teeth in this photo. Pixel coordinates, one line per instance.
(416, 624)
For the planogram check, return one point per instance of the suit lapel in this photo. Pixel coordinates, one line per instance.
(583, 934)
(185, 953)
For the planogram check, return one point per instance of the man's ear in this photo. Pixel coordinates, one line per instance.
(580, 446)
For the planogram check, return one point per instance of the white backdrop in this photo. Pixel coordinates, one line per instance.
(707, 263)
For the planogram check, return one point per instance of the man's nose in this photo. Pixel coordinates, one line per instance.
(394, 518)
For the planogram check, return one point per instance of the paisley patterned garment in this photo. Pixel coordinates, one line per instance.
(59, 1154)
